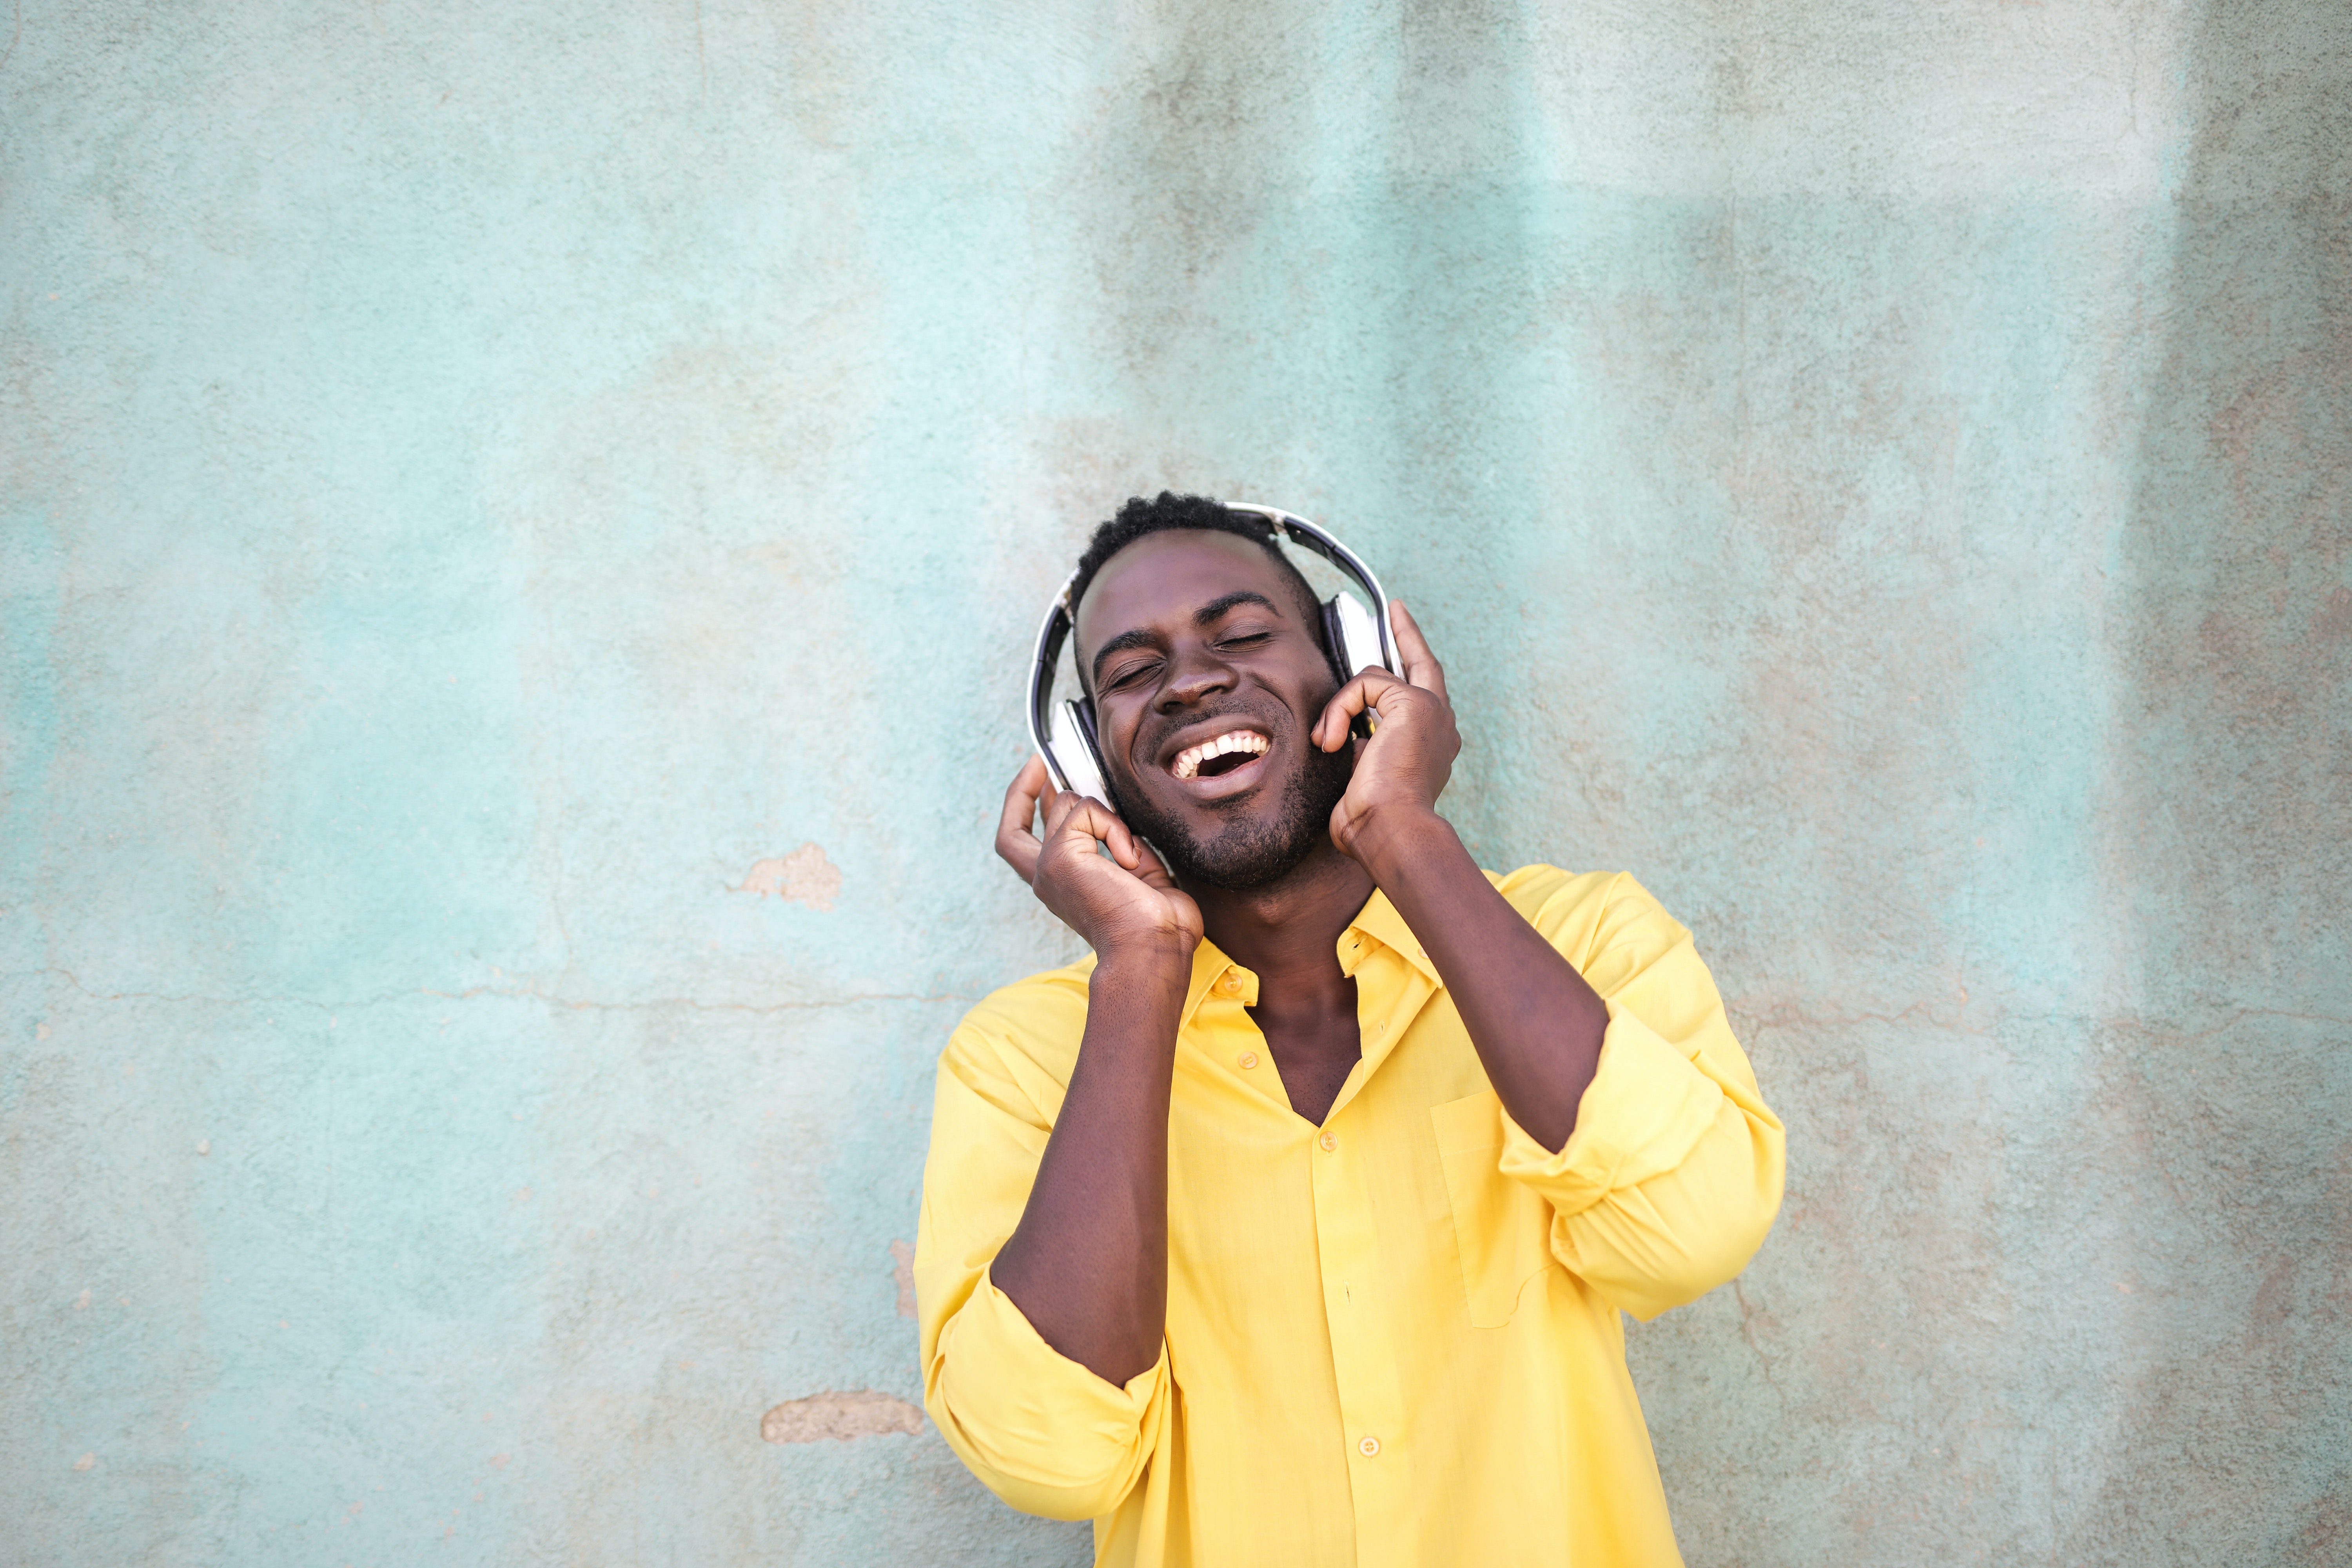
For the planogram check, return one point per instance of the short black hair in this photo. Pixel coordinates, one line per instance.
(1140, 519)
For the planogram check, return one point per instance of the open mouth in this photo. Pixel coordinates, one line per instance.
(1216, 757)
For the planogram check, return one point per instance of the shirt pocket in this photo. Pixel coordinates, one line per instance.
(1502, 1227)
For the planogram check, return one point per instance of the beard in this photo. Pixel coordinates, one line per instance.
(1248, 855)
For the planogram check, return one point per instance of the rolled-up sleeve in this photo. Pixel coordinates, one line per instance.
(1673, 1176)
(1044, 1433)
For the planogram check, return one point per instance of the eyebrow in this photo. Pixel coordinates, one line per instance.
(1207, 615)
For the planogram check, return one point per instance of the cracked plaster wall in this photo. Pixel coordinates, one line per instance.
(482, 491)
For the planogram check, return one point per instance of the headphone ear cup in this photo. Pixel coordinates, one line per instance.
(1075, 755)
(1355, 638)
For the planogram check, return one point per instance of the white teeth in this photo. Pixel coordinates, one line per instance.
(1187, 761)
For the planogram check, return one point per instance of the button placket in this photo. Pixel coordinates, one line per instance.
(1363, 1358)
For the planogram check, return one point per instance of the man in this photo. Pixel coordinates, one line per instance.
(1292, 1226)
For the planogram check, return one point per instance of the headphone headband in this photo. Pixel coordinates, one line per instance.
(1065, 740)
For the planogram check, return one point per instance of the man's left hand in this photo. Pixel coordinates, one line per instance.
(1402, 769)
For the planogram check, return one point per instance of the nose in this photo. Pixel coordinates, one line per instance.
(1194, 674)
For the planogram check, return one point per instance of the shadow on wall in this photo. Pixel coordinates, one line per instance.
(2231, 852)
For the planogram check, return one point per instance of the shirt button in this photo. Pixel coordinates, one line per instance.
(1369, 1447)
(1248, 1059)
(1329, 1141)
(1231, 985)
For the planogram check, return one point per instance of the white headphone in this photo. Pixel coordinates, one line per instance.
(1358, 639)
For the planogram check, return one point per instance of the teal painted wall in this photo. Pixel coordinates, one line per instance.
(476, 482)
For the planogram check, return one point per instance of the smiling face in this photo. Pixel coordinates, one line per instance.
(1207, 673)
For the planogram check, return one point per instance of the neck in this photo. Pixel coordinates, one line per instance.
(1287, 933)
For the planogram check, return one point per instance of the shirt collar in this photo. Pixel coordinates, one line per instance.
(1379, 920)
(1211, 965)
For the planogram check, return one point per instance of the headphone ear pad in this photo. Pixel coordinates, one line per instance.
(1085, 708)
(1335, 643)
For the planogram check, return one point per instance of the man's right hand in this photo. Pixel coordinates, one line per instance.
(1088, 1263)
(1125, 906)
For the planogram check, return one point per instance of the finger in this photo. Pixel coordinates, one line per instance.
(1029, 785)
(1421, 666)
(1054, 809)
(1330, 730)
(1151, 870)
(1076, 816)
(1015, 842)
(1088, 816)
(1123, 844)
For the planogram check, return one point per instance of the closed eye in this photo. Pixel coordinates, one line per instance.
(1126, 675)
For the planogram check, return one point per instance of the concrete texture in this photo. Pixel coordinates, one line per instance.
(520, 527)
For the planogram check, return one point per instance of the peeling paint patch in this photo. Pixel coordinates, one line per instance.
(841, 1416)
(85, 1462)
(805, 875)
(902, 1270)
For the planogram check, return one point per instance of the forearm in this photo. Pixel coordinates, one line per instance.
(1538, 1026)
(1089, 1264)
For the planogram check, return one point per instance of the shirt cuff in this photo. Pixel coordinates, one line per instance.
(1030, 1414)
(1645, 1109)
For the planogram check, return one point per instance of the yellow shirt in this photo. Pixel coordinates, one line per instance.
(1391, 1339)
